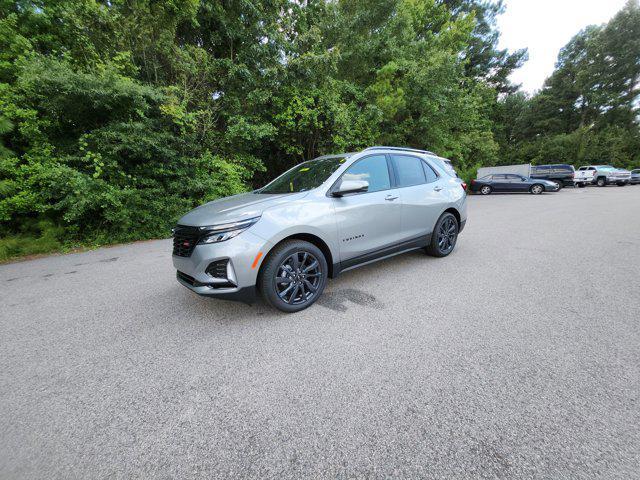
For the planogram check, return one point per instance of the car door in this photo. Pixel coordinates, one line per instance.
(516, 183)
(371, 220)
(422, 193)
(499, 183)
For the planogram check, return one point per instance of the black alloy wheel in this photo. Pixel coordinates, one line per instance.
(293, 275)
(444, 236)
(298, 278)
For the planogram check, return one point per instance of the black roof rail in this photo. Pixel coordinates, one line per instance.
(401, 149)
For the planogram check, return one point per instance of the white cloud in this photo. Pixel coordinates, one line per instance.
(544, 27)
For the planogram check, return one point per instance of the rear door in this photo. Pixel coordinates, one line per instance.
(371, 220)
(499, 183)
(422, 193)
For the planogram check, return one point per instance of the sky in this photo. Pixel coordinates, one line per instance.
(544, 27)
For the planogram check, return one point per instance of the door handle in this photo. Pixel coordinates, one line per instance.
(391, 198)
(437, 188)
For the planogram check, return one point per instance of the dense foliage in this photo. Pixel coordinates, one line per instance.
(117, 116)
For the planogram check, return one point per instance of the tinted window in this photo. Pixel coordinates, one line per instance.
(498, 177)
(409, 170)
(305, 176)
(371, 169)
(431, 175)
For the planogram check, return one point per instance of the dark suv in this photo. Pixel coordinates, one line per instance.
(561, 174)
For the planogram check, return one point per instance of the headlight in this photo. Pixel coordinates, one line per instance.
(223, 232)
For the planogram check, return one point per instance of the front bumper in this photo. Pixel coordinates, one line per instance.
(244, 253)
(615, 181)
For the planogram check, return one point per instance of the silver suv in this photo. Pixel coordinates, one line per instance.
(319, 219)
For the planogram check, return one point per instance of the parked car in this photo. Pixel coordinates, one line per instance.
(584, 176)
(319, 219)
(635, 176)
(608, 175)
(507, 182)
(562, 174)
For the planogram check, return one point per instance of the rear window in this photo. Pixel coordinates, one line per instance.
(409, 170)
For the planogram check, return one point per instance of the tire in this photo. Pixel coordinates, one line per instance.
(621, 184)
(296, 293)
(536, 189)
(446, 227)
(601, 182)
(560, 184)
(486, 190)
(582, 185)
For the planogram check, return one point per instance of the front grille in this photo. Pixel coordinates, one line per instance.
(218, 269)
(189, 279)
(185, 240)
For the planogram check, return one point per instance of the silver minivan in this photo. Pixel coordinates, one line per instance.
(320, 218)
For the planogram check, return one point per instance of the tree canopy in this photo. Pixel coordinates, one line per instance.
(117, 116)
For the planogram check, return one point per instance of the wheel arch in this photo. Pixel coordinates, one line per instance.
(314, 240)
(455, 213)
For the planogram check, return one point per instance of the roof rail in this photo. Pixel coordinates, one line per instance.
(402, 149)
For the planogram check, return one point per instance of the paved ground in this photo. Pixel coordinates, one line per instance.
(516, 357)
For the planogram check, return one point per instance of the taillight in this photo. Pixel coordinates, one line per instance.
(464, 186)
(473, 181)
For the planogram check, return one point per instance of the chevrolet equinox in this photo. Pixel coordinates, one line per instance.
(320, 218)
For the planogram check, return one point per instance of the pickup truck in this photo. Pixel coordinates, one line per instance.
(601, 175)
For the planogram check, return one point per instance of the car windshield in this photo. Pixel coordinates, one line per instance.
(303, 177)
(606, 167)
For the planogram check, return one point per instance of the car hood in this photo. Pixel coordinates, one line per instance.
(235, 208)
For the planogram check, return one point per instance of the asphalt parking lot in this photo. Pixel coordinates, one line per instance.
(515, 357)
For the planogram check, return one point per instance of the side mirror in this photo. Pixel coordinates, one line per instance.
(350, 186)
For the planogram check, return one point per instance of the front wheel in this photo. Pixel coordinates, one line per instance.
(444, 236)
(560, 184)
(293, 276)
(537, 189)
(601, 182)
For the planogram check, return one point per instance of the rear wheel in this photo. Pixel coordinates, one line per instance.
(581, 185)
(560, 184)
(293, 276)
(536, 189)
(444, 236)
(601, 182)
(621, 184)
(485, 190)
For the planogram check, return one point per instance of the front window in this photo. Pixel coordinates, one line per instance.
(306, 176)
(372, 169)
